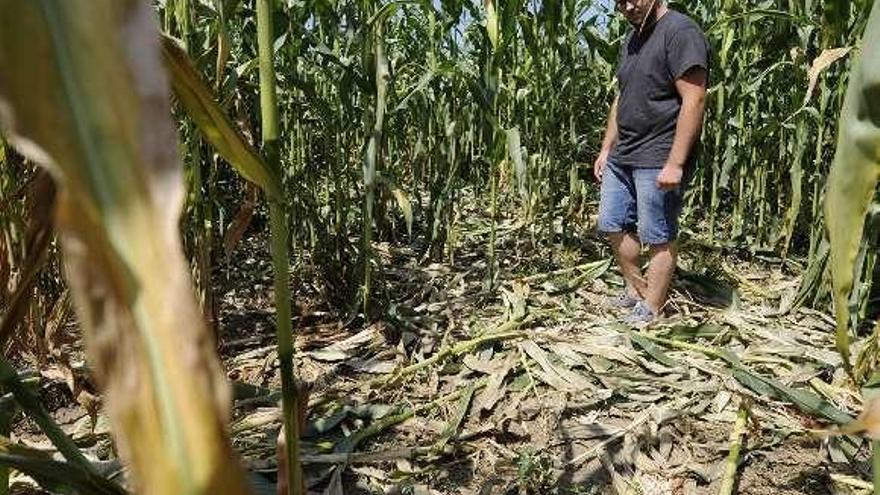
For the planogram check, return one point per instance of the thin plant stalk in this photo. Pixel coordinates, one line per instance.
(736, 440)
(875, 464)
(5, 425)
(30, 403)
(280, 248)
(372, 156)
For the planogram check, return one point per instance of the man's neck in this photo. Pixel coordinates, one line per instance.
(660, 11)
(656, 13)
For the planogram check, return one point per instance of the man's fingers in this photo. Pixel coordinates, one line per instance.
(666, 186)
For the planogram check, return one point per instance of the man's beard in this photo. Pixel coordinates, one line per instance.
(647, 19)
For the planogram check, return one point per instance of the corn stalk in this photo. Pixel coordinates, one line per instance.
(290, 405)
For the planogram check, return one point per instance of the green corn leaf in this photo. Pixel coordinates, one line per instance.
(492, 23)
(514, 152)
(201, 105)
(805, 401)
(53, 475)
(756, 14)
(854, 175)
(653, 350)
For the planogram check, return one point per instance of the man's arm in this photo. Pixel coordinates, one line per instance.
(608, 142)
(691, 88)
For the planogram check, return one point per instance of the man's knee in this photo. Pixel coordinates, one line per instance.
(615, 238)
(670, 247)
(618, 239)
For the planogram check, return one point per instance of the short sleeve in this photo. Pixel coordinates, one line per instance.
(688, 48)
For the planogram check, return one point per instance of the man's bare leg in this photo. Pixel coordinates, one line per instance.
(659, 276)
(627, 249)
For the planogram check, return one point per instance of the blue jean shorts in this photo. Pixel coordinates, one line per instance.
(630, 201)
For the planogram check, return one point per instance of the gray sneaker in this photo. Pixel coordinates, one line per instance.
(640, 314)
(623, 301)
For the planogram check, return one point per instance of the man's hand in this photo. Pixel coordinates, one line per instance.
(669, 177)
(599, 165)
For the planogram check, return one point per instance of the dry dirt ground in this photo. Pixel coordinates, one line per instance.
(534, 386)
(537, 388)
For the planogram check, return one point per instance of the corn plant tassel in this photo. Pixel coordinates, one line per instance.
(84, 94)
(280, 249)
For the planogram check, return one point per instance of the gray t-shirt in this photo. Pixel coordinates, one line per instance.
(649, 104)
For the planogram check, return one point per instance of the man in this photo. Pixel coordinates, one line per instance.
(648, 151)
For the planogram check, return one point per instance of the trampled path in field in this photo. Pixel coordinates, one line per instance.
(535, 387)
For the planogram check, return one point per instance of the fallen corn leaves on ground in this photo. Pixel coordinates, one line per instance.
(535, 387)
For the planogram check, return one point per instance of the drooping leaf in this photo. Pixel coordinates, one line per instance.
(201, 105)
(405, 207)
(454, 425)
(822, 63)
(854, 175)
(495, 389)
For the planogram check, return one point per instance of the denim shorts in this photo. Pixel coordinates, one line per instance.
(630, 201)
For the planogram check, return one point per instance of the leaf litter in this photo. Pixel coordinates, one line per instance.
(537, 387)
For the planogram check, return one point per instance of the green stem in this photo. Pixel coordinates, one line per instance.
(280, 249)
(875, 458)
(506, 331)
(268, 96)
(6, 415)
(368, 248)
(351, 443)
(493, 214)
(739, 428)
(290, 404)
(31, 405)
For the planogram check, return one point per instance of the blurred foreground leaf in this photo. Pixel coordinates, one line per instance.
(854, 174)
(83, 93)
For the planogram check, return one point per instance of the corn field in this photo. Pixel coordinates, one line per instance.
(349, 246)
(391, 112)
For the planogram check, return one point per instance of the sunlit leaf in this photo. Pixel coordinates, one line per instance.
(201, 106)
